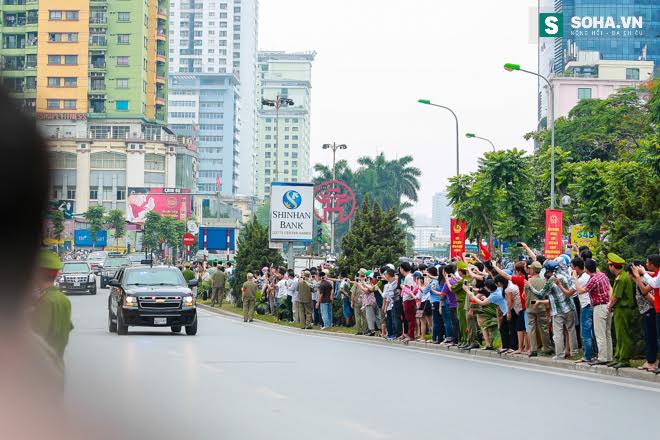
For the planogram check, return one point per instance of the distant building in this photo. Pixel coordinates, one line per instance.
(441, 210)
(283, 142)
(427, 237)
(598, 79)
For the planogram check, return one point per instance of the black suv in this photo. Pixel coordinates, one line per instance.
(151, 297)
(110, 267)
(77, 277)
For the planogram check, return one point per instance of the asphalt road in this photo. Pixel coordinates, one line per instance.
(253, 381)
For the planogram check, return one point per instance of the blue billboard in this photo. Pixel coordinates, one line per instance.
(217, 239)
(82, 237)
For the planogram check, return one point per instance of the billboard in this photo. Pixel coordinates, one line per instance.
(457, 238)
(291, 211)
(171, 202)
(83, 237)
(553, 233)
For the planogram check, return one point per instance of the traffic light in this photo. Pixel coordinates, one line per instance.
(319, 233)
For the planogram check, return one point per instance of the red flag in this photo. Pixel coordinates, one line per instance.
(484, 251)
(457, 237)
(217, 182)
(553, 233)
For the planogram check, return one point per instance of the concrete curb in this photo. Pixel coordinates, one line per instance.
(624, 373)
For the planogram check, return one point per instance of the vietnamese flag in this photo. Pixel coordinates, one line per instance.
(484, 251)
(217, 183)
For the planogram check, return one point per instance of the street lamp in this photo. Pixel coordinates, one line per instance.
(510, 67)
(474, 136)
(279, 101)
(334, 147)
(428, 102)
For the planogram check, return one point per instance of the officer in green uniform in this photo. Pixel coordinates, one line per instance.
(52, 311)
(304, 302)
(187, 273)
(218, 282)
(249, 291)
(463, 304)
(622, 302)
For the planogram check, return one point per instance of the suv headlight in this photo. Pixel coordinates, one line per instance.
(130, 301)
(188, 301)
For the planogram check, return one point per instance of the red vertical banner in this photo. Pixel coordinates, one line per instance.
(553, 233)
(457, 238)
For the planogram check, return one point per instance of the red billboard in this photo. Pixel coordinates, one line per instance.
(171, 202)
(553, 233)
(457, 238)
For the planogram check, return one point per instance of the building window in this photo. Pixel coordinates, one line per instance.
(154, 162)
(584, 93)
(53, 103)
(93, 193)
(62, 161)
(632, 74)
(122, 61)
(123, 17)
(121, 106)
(108, 160)
(55, 15)
(53, 82)
(55, 59)
(122, 83)
(70, 82)
(121, 194)
(70, 104)
(71, 15)
(71, 60)
(70, 194)
(123, 38)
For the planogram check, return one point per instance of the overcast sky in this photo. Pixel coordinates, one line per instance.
(375, 58)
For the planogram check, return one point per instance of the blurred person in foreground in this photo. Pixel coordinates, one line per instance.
(31, 373)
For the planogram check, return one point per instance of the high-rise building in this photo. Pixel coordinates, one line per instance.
(202, 106)
(595, 30)
(441, 211)
(283, 132)
(94, 72)
(219, 37)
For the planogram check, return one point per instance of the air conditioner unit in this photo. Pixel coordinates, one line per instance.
(132, 147)
(171, 149)
(83, 146)
(141, 146)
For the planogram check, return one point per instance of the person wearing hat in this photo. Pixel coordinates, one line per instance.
(304, 302)
(356, 302)
(249, 293)
(52, 311)
(187, 273)
(218, 282)
(467, 335)
(622, 304)
(536, 312)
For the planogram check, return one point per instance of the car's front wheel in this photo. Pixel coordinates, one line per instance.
(191, 330)
(122, 329)
(112, 326)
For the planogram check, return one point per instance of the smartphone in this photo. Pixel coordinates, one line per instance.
(532, 302)
(519, 244)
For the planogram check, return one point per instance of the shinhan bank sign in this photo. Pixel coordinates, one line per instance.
(552, 25)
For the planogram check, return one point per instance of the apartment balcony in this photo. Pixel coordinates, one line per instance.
(98, 19)
(162, 14)
(160, 100)
(161, 34)
(161, 57)
(95, 41)
(160, 79)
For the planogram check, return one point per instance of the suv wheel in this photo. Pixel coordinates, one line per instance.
(176, 329)
(112, 326)
(122, 329)
(191, 330)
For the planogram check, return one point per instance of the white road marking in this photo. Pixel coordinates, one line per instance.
(363, 430)
(582, 375)
(268, 392)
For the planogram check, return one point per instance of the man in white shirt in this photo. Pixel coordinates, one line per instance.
(292, 293)
(586, 310)
(653, 264)
(281, 295)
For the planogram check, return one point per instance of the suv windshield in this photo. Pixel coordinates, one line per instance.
(116, 262)
(97, 256)
(75, 268)
(154, 277)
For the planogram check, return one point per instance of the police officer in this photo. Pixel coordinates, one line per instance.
(249, 291)
(187, 273)
(52, 311)
(304, 302)
(218, 286)
(622, 302)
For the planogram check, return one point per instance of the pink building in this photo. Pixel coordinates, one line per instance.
(598, 80)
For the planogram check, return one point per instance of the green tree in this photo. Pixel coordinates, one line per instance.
(252, 254)
(152, 231)
(116, 219)
(263, 214)
(95, 218)
(375, 238)
(57, 217)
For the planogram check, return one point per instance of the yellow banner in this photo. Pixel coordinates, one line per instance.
(581, 237)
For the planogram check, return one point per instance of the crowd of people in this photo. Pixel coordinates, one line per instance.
(563, 307)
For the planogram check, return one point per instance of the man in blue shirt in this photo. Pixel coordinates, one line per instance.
(438, 325)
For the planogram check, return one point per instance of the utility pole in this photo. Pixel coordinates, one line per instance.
(334, 147)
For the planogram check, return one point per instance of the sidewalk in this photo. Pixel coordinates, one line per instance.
(624, 373)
